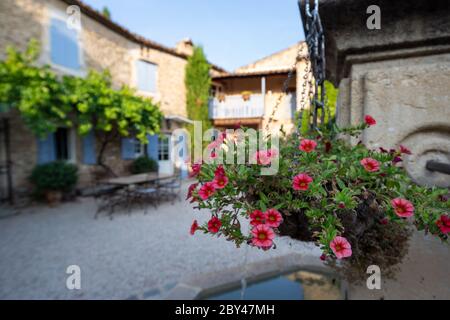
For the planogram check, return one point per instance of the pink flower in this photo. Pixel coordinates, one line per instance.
(307, 145)
(220, 181)
(301, 182)
(218, 142)
(341, 247)
(220, 171)
(206, 190)
(265, 157)
(444, 224)
(263, 236)
(371, 165)
(402, 207)
(214, 225)
(194, 227)
(396, 160)
(257, 217)
(273, 218)
(213, 155)
(369, 120)
(196, 167)
(404, 150)
(191, 190)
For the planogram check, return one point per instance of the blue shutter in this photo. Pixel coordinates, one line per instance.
(64, 47)
(46, 149)
(152, 147)
(146, 76)
(89, 154)
(127, 148)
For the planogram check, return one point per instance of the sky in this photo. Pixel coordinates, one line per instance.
(233, 33)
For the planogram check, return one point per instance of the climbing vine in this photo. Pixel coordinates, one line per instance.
(47, 101)
(198, 84)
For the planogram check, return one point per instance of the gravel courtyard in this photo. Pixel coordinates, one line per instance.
(132, 256)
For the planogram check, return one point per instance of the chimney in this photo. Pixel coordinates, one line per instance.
(185, 46)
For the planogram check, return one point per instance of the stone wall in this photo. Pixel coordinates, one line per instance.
(399, 74)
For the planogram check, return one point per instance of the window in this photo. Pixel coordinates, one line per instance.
(62, 144)
(138, 148)
(163, 148)
(64, 45)
(146, 76)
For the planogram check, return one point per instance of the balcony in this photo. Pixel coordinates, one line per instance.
(234, 107)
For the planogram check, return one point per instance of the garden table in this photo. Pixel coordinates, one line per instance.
(139, 179)
(127, 193)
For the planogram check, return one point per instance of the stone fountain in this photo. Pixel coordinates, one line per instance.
(391, 59)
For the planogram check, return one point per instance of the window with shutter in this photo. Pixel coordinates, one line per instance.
(146, 76)
(64, 45)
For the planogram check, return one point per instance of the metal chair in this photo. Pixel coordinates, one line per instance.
(171, 188)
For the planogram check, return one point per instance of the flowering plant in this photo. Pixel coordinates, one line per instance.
(347, 198)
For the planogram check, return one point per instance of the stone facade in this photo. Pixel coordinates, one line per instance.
(104, 45)
(274, 69)
(399, 74)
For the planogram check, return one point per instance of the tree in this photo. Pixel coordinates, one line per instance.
(46, 101)
(198, 84)
(106, 12)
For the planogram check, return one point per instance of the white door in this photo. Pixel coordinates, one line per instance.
(165, 154)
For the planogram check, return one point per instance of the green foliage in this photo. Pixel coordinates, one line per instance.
(47, 101)
(198, 84)
(106, 12)
(35, 91)
(330, 102)
(143, 165)
(54, 176)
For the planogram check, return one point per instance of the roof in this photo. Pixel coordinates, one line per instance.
(248, 74)
(100, 18)
(295, 45)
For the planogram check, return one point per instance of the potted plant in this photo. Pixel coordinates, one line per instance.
(144, 165)
(358, 205)
(246, 95)
(52, 180)
(221, 97)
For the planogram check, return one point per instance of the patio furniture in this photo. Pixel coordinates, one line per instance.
(171, 188)
(134, 189)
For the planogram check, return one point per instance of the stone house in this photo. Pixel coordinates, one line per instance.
(249, 94)
(155, 70)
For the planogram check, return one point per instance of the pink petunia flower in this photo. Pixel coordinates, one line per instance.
(220, 171)
(371, 165)
(444, 223)
(194, 227)
(405, 150)
(257, 217)
(206, 190)
(273, 218)
(220, 181)
(402, 207)
(341, 247)
(301, 182)
(307, 145)
(263, 236)
(214, 225)
(265, 157)
(196, 167)
(191, 189)
(369, 120)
